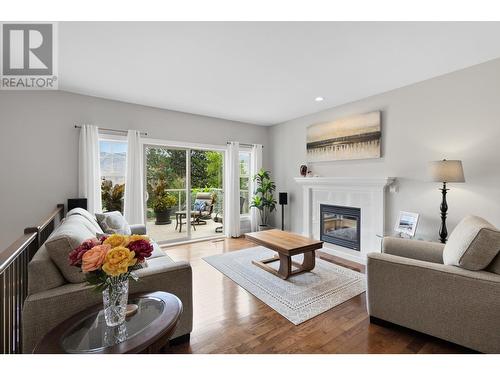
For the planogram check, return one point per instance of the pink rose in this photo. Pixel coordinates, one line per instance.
(94, 258)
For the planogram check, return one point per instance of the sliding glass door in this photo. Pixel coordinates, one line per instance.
(167, 208)
(184, 197)
(207, 193)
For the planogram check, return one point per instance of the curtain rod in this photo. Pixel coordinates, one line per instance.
(244, 144)
(112, 130)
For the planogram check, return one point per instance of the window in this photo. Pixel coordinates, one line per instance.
(113, 154)
(244, 182)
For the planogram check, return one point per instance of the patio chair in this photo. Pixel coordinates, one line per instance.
(203, 207)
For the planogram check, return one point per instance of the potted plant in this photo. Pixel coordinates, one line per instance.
(162, 208)
(112, 195)
(263, 198)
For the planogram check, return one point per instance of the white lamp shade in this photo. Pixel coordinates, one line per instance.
(447, 171)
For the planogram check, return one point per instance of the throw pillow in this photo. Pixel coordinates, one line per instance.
(199, 205)
(113, 223)
(472, 245)
(69, 235)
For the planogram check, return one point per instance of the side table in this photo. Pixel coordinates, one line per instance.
(148, 330)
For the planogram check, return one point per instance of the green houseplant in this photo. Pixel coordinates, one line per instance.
(263, 198)
(112, 196)
(163, 203)
(162, 207)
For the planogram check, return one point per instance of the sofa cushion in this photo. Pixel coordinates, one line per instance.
(113, 223)
(43, 273)
(69, 235)
(472, 245)
(92, 221)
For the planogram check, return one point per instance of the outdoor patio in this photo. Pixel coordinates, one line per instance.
(168, 233)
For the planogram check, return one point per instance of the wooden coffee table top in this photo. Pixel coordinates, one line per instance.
(286, 243)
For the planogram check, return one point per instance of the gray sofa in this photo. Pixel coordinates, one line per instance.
(409, 285)
(52, 298)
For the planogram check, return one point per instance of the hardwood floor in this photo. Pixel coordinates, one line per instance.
(228, 319)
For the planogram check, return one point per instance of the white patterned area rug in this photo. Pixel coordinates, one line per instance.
(299, 298)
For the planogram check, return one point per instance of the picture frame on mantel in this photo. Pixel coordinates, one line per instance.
(407, 223)
(349, 138)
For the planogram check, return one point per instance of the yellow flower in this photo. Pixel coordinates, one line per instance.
(118, 260)
(116, 240)
(137, 237)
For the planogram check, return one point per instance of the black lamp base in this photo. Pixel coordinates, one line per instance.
(443, 232)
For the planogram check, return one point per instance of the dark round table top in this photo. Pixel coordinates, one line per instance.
(87, 333)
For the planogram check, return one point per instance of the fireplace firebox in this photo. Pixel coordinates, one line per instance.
(340, 225)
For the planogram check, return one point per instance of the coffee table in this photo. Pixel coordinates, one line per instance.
(148, 330)
(286, 244)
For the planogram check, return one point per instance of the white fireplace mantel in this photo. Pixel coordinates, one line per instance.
(368, 194)
(346, 181)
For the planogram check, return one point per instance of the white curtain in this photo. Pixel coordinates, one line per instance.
(89, 170)
(232, 191)
(255, 166)
(134, 203)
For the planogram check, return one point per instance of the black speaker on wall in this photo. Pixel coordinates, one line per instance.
(283, 201)
(77, 202)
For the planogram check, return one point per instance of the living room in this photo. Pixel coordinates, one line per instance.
(250, 188)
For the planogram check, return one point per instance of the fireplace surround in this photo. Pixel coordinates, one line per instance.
(367, 194)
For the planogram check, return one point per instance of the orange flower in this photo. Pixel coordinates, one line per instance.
(94, 258)
(118, 260)
(116, 240)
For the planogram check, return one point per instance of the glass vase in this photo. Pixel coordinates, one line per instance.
(115, 299)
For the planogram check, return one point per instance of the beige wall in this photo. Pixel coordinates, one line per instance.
(39, 146)
(456, 116)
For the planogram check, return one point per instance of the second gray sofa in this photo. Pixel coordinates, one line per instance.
(409, 285)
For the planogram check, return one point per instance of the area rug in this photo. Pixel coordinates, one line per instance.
(299, 298)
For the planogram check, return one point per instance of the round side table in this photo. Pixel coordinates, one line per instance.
(147, 330)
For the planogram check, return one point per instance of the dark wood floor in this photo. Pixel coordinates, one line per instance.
(228, 319)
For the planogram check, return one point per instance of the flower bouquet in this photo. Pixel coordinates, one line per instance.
(108, 263)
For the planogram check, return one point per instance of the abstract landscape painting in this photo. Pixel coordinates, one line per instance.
(354, 137)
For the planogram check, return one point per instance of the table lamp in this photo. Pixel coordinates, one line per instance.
(446, 171)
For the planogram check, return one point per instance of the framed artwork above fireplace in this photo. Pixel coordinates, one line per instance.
(354, 137)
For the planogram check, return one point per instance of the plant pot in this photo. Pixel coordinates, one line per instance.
(264, 227)
(163, 217)
(114, 299)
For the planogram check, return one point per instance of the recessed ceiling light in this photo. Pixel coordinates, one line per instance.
(319, 99)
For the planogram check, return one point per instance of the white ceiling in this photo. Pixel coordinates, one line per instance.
(262, 73)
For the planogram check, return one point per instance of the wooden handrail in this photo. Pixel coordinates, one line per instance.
(16, 248)
(30, 233)
(59, 210)
(14, 261)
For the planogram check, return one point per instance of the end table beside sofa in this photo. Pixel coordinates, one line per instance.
(52, 298)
